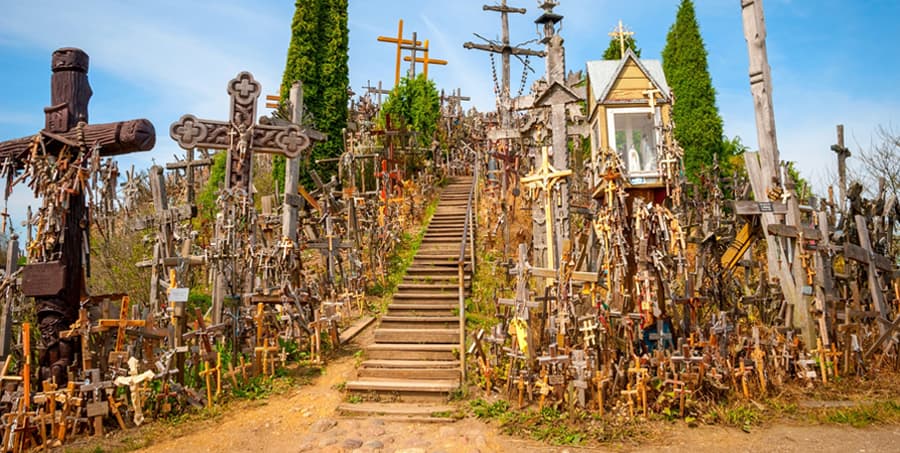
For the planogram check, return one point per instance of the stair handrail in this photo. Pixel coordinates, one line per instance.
(468, 238)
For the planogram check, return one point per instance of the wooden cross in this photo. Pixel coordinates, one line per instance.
(400, 42)
(425, 60)
(207, 375)
(651, 93)
(545, 178)
(188, 165)
(121, 324)
(241, 136)
(506, 50)
(620, 33)
(65, 129)
(378, 91)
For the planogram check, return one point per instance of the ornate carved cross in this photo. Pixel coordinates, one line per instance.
(620, 32)
(241, 136)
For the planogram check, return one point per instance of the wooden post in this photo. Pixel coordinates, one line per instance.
(292, 170)
(6, 321)
(842, 154)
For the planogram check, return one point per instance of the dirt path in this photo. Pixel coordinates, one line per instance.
(305, 420)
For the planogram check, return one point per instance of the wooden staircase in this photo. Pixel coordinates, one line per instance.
(415, 356)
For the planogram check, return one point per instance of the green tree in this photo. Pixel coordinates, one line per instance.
(614, 50)
(417, 103)
(318, 57)
(698, 126)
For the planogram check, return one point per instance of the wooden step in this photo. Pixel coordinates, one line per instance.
(424, 296)
(411, 351)
(402, 385)
(413, 321)
(439, 286)
(405, 409)
(424, 374)
(428, 336)
(454, 364)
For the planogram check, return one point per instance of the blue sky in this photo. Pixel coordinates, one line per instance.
(832, 61)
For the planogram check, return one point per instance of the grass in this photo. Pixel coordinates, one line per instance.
(881, 412)
(403, 256)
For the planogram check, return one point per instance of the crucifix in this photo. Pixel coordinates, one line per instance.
(400, 42)
(545, 178)
(424, 59)
(620, 33)
(58, 284)
(241, 137)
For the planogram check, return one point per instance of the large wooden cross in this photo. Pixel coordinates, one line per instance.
(59, 286)
(424, 59)
(400, 42)
(241, 136)
(506, 51)
(544, 178)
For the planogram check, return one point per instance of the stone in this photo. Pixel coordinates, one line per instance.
(377, 432)
(351, 444)
(306, 447)
(378, 422)
(480, 442)
(323, 425)
(327, 442)
(374, 444)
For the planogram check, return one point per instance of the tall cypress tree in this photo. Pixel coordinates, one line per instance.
(318, 57)
(698, 126)
(614, 50)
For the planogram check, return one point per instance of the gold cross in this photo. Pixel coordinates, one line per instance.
(545, 177)
(426, 61)
(620, 32)
(400, 43)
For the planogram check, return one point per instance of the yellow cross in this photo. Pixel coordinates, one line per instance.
(426, 61)
(620, 32)
(544, 178)
(400, 43)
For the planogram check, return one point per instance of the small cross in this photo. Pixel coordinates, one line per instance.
(651, 94)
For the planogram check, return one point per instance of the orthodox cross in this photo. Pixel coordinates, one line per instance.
(240, 135)
(544, 178)
(506, 51)
(620, 32)
(425, 60)
(58, 286)
(400, 42)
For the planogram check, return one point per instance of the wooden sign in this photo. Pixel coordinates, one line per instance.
(43, 279)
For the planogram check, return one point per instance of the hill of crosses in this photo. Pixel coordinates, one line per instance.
(571, 266)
